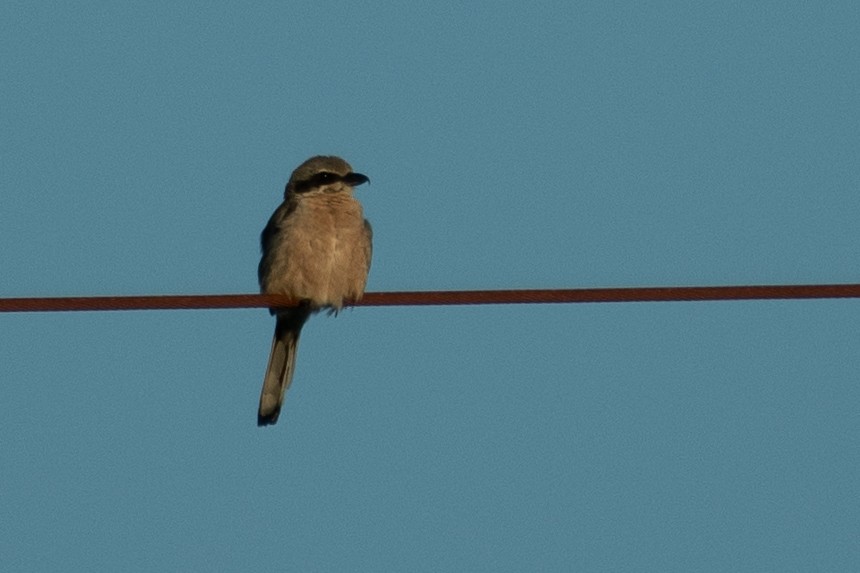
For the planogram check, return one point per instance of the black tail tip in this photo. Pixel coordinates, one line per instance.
(267, 420)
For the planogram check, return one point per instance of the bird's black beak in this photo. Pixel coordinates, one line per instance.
(355, 179)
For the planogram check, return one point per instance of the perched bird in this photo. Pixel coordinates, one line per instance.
(316, 249)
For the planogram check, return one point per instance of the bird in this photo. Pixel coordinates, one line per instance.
(316, 249)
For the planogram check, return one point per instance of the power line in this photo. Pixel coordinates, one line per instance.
(423, 298)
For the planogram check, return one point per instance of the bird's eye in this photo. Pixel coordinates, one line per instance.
(316, 180)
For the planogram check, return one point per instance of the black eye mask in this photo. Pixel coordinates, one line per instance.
(327, 178)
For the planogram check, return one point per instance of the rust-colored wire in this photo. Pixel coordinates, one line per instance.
(415, 298)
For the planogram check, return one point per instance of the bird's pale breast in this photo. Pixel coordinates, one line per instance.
(320, 251)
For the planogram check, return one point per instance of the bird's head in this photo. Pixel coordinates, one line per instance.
(324, 173)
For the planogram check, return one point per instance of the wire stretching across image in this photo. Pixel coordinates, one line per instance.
(440, 298)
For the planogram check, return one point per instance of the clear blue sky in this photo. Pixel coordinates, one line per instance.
(511, 145)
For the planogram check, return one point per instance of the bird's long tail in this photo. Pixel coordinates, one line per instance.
(282, 362)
